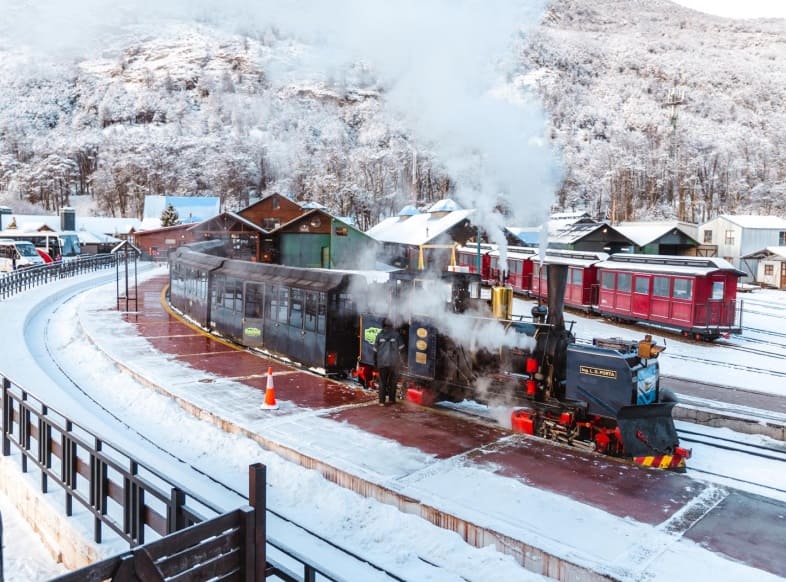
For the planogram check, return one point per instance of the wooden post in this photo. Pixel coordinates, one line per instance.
(7, 417)
(257, 491)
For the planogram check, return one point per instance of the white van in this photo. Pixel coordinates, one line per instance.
(16, 254)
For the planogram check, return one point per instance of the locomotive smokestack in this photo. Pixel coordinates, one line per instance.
(557, 282)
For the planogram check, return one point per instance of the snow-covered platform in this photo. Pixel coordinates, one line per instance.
(562, 512)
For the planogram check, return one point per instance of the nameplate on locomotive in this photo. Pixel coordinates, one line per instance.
(600, 372)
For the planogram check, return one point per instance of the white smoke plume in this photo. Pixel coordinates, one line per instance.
(447, 69)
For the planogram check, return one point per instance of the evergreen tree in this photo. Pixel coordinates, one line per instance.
(170, 217)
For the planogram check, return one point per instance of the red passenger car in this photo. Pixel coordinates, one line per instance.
(467, 256)
(582, 287)
(695, 295)
(518, 271)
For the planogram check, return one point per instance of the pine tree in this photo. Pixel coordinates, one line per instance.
(170, 217)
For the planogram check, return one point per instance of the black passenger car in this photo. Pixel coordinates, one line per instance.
(308, 315)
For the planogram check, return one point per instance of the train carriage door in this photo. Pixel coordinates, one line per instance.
(640, 303)
(715, 302)
(253, 314)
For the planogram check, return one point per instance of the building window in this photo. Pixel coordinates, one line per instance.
(342, 231)
(729, 240)
(275, 203)
(768, 270)
(270, 223)
(707, 237)
(782, 239)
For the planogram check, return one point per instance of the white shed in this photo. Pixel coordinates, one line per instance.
(735, 236)
(770, 266)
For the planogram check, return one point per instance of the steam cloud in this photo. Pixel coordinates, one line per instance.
(445, 67)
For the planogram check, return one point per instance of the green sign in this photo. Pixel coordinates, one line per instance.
(371, 333)
(252, 332)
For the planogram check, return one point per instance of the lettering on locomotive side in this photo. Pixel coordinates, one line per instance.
(600, 372)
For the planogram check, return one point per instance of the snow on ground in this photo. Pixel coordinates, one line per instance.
(382, 533)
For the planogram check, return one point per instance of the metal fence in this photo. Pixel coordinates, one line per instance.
(27, 278)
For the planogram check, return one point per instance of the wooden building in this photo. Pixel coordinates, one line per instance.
(157, 243)
(317, 239)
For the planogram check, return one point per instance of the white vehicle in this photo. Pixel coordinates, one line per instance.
(17, 254)
(57, 244)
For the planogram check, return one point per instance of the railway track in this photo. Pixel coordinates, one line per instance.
(740, 461)
(330, 552)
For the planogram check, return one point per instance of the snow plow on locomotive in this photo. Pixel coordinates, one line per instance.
(604, 397)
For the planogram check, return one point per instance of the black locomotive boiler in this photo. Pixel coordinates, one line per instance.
(605, 396)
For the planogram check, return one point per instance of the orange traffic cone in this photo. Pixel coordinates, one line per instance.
(270, 393)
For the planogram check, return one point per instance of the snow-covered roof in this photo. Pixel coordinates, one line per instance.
(95, 224)
(575, 232)
(86, 237)
(190, 209)
(527, 235)
(408, 210)
(756, 221)
(779, 252)
(418, 229)
(313, 205)
(573, 258)
(644, 233)
(445, 205)
(693, 266)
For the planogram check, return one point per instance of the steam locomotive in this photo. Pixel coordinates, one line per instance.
(605, 396)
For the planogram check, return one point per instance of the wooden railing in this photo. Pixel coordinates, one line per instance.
(230, 546)
(27, 278)
(127, 496)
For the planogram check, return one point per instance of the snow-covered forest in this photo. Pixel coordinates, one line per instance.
(201, 108)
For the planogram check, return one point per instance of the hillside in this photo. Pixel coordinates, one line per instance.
(190, 105)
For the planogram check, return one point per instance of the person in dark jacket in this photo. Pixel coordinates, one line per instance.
(387, 355)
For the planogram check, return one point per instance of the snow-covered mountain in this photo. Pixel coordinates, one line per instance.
(365, 107)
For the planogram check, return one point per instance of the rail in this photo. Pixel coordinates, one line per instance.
(27, 278)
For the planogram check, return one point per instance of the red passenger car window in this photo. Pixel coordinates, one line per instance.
(717, 290)
(607, 281)
(623, 282)
(661, 287)
(683, 289)
(642, 285)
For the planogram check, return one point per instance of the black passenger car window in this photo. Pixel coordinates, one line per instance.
(255, 293)
(310, 322)
(296, 308)
(322, 312)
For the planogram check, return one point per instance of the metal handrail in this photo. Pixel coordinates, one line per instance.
(29, 277)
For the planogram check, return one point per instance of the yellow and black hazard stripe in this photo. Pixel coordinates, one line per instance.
(661, 461)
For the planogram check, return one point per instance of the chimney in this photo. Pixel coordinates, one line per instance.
(3, 211)
(67, 218)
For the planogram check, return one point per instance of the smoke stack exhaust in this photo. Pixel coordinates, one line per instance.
(557, 276)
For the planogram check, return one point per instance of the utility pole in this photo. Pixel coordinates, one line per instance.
(675, 99)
